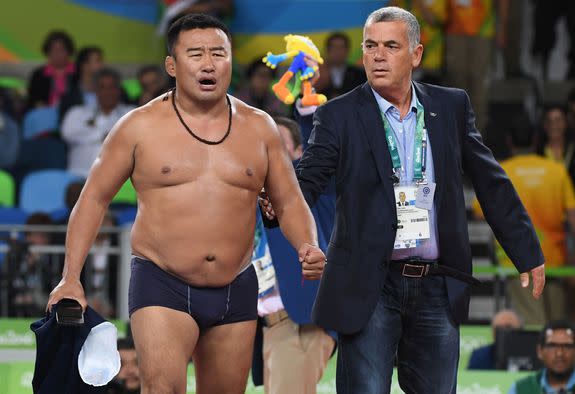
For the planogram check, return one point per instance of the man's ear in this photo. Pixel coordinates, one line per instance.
(170, 65)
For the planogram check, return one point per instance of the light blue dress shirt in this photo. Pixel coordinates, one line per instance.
(404, 131)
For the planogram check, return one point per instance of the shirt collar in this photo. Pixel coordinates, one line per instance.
(545, 384)
(385, 105)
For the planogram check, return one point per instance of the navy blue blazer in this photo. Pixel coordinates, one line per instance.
(348, 141)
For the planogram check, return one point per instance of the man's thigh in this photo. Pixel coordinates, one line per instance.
(295, 357)
(164, 339)
(223, 357)
(428, 351)
(365, 360)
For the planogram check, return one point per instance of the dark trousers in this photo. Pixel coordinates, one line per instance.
(412, 325)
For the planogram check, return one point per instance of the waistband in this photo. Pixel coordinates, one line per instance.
(419, 268)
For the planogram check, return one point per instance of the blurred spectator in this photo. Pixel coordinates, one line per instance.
(82, 91)
(9, 141)
(571, 110)
(470, 29)
(336, 75)
(555, 142)
(50, 81)
(29, 273)
(128, 379)
(257, 92)
(546, 191)
(153, 82)
(556, 349)
(85, 127)
(431, 15)
(545, 20)
(484, 357)
(100, 272)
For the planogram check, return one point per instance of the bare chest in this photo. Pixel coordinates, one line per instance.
(171, 156)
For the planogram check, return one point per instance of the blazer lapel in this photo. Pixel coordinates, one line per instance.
(372, 127)
(435, 126)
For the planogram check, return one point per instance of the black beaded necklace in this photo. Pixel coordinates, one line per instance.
(208, 142)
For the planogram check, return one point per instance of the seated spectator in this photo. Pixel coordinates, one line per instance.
(29, 273)
(153, 82)
(257, 92)
(484, 357)
(82, 91)
(50, 81)
(336, 75)
(556, 349)
(9, 141)
(128, 379)
(85, 127)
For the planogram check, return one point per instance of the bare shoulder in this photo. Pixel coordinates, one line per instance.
(138, 122)
(255, 119)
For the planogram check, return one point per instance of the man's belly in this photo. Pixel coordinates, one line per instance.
(202, 247)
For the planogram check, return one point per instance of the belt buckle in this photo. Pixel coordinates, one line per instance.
(420, 274)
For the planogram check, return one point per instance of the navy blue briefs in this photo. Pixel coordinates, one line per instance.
(208, 306)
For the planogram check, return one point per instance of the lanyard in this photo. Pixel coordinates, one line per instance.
(419, 147)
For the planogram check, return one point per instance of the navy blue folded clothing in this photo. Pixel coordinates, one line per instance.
(57, 350)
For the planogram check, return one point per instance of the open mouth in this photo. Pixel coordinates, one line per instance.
(207, 81)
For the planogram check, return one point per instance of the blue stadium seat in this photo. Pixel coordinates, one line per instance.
(125, 216)
(40, 121)
(45, 190)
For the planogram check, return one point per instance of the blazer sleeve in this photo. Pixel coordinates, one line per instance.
(499, 201)
(320, 159)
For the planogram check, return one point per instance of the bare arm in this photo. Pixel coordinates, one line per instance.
(294, 216)
(109, 171)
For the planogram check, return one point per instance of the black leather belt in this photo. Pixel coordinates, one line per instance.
(418, 268)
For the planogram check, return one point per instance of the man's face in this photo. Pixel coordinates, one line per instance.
(558, 353)
(108, 93)
(151, 82)
(129, 372)
(337, 52)
(555, 124)
(293, 152)
(94, 63)
(58, 55)
(402, 196)
(261, 80)
(387, 59)
(202, 64)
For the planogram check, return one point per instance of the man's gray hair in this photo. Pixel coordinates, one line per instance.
(393, 14)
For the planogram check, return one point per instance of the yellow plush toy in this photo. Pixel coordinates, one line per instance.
(297, 47)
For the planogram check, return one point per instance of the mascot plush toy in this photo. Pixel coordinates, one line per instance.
(297, 47)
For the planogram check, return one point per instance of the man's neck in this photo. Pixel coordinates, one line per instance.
(558, 381)
(399, 98)
(198, 108)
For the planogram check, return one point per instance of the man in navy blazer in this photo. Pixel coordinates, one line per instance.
(389, 299)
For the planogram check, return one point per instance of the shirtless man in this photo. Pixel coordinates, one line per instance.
(193, 291)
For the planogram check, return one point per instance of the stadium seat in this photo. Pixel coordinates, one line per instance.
(7, 189)
(40, 121)
(45, 190)
(126, 216)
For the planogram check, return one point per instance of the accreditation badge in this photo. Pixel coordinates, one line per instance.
(262, 260)
(412, 222)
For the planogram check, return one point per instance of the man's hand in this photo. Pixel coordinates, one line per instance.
(312, 261)
(266, 205)
(538, 274)
(67, 288)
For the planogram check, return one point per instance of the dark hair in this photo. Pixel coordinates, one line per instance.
(108, 72)
(149, 68)
(293, 128)
(58, 35)
(126, 343)
(254, 65)
(571, 97)
(554, 107)
(521, 131)
(40, 219)
(191, 22)
(338, 35)
(556, 325)
(83, 57)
